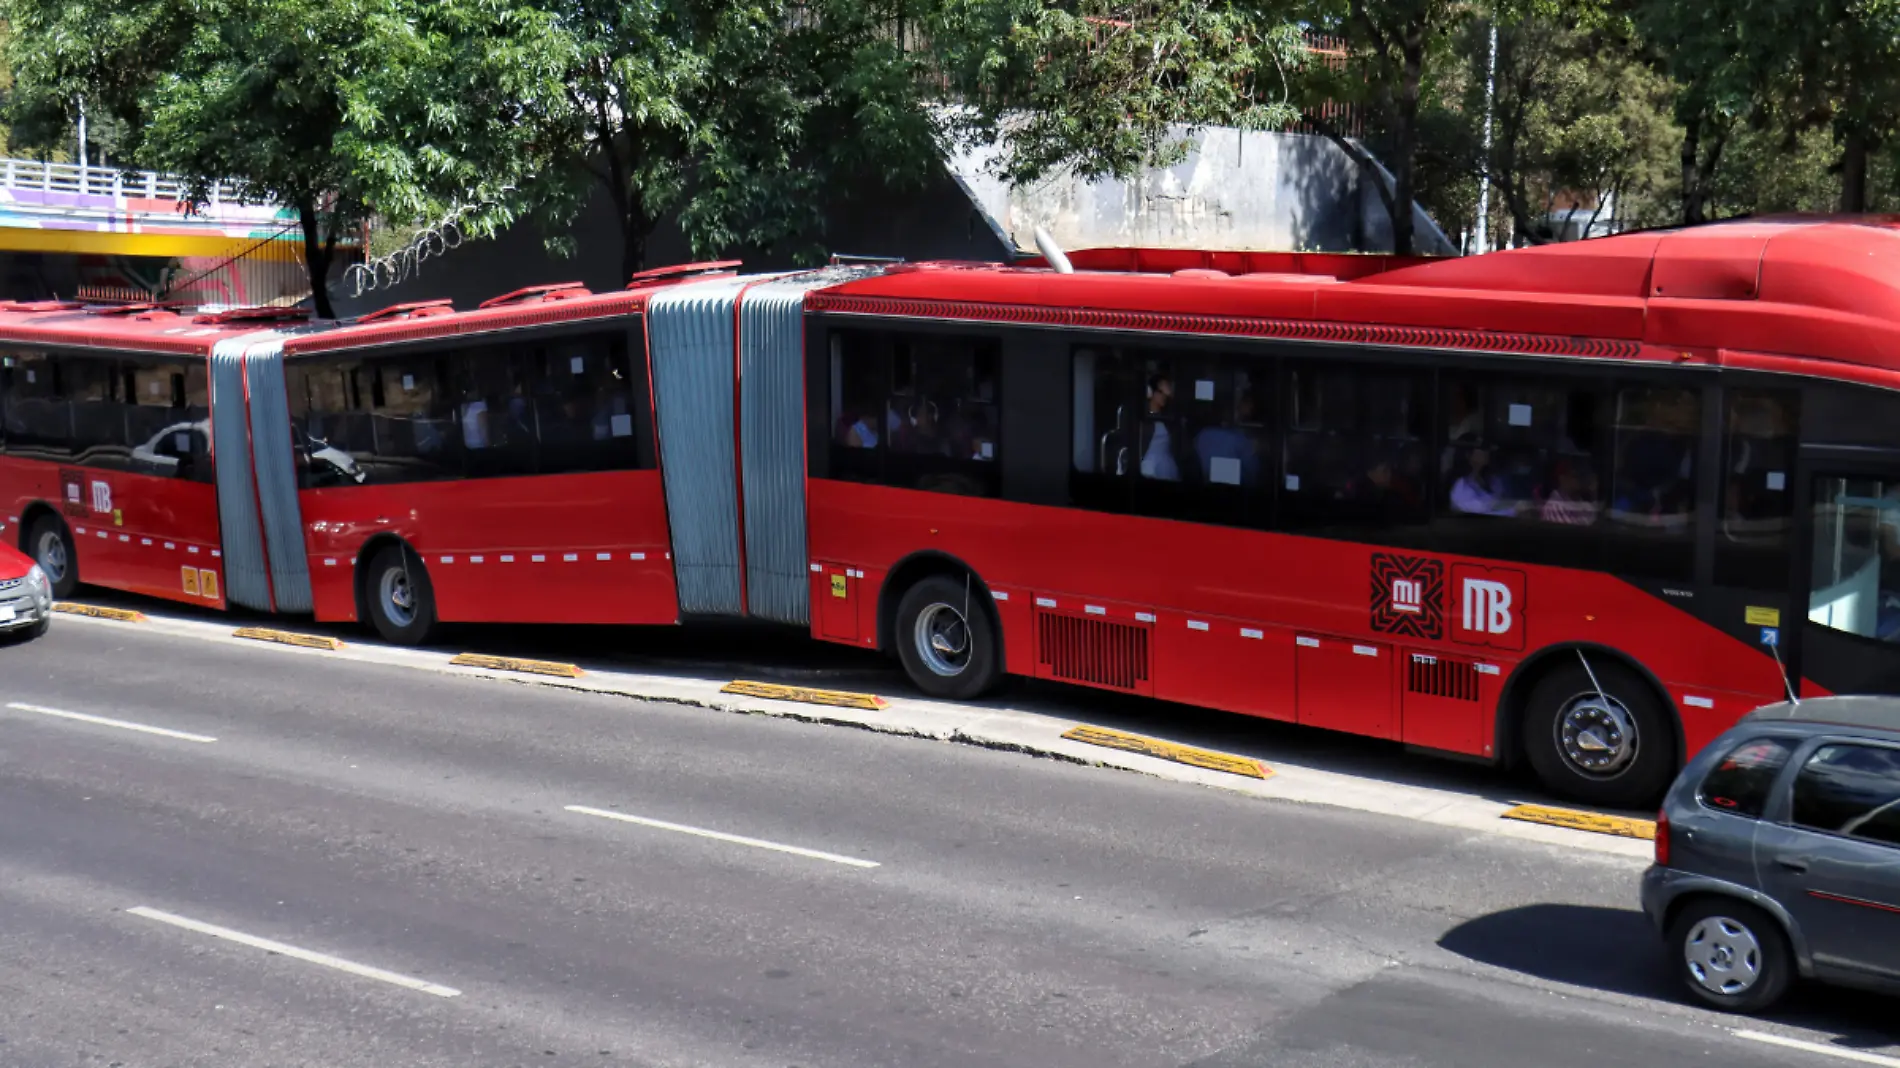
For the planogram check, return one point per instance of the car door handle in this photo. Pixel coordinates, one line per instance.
(1793, 863)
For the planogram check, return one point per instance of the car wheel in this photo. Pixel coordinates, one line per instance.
(1615, 748)
(1731, 955)
(51, 546)
(401, 599)
(945, 639)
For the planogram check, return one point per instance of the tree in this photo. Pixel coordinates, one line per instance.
(261, 93)
(1577, 112)
(1390, 44)
(1105, 88)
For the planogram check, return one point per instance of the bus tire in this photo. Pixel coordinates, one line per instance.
(946, 640)
(1616, 749)
(50, 545)
(400, 598)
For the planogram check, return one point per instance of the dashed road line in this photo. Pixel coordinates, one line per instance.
(721, 836)
(296, 953)
(102, 721)
(1838, 1053)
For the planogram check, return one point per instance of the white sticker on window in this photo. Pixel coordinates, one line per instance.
(578, 365)
(622, 426)
(1520, 415)
(1203, 389)
(408, 383)
(1777, 480)
(986, 451)
(1224, 469)
(155, 390)
(32, 376)
(1293, 483)
(181, 441)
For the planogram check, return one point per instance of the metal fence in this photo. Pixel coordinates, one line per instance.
(105, 181)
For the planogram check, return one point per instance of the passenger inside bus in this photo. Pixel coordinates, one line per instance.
(1157, 458)
(1479, 491)
(1573, 500)
(1227, 452)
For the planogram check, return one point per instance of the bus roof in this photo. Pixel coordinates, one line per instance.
(1808, 295)
(156, 328)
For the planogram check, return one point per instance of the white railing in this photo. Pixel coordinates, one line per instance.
(103, 181)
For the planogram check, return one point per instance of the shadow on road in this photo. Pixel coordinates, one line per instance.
(1617, 951)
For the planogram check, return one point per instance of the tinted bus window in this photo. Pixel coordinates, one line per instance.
(1754, 532)
(92, 390)
(1651, 521)
(38, 425)
(1521, 468)
(1855, 584)
(917, 411)
(587, 411)
(1355, 452)
(492, 408)
(168, 419)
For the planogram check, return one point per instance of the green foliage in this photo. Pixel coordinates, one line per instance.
(1106, 88)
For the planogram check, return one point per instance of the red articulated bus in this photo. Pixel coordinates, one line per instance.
(1582, 505)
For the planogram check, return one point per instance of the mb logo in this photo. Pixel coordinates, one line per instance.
(1490, 606)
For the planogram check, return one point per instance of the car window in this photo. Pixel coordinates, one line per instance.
(1740, 783)
(1852, 791)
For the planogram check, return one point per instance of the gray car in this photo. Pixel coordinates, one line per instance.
(1778, 854)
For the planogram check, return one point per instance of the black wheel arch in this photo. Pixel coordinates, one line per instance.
(915, 568)
(1508, 735)
(30, 517)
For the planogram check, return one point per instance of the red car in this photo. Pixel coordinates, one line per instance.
(26, 597)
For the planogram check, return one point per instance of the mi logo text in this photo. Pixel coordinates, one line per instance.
(1490, 606)
(1408, 595)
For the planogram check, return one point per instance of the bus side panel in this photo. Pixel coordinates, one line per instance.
(136, 533)
(578, 548)
(1281, 580)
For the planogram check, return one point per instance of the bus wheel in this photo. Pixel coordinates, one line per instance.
(945, 639)
(401, 601)
(1612, 747)
(51, 547)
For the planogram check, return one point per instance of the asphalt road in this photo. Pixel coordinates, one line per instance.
(341, 864)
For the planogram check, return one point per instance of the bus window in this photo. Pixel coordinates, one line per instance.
(1520, 468)
(1651, 521)
(1354, 454)
(37, 424)
(1105, 424)
(93, 391)
(168, 419)
(1753, 533)
(1856, 581)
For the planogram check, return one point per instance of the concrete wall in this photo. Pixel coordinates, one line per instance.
(1234, 190)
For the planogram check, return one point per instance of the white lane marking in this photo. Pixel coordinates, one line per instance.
(757, 843)
(309, 956)
(104, 722)
(1836, 1052)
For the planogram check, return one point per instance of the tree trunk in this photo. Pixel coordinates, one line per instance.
(1691, 152)
(317, 254)
(1854, 171)
(1405, 147)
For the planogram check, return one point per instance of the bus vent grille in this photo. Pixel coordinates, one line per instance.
(1442, 676)
(1093, 651)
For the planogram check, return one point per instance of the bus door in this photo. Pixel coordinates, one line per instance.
(1850, 538)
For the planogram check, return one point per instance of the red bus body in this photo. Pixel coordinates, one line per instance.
(1727, 398)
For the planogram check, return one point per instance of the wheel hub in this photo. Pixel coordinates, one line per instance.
(1723, 955)
(942, 640)
(399, 603)
(51, 556)
(1597, 735)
